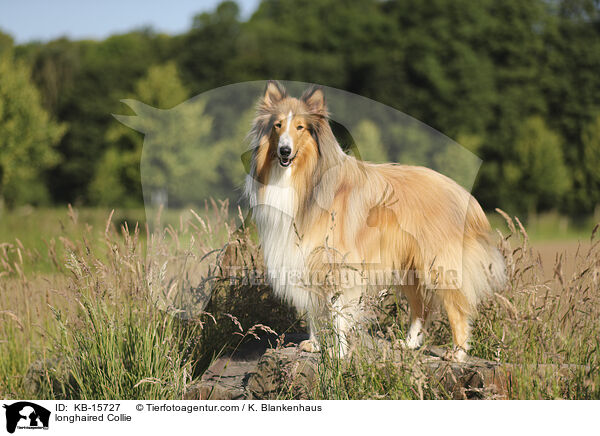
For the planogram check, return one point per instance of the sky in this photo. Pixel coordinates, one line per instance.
(43, 20)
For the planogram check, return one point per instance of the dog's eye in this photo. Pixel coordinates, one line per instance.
(278, 125)
(300, 127)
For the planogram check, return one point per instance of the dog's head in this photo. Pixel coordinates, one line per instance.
(288, 128)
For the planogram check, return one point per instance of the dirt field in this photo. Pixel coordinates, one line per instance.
(550, 250)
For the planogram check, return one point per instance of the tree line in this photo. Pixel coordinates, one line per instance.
(514, 81)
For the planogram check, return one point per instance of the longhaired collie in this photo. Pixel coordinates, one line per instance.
(398, 227)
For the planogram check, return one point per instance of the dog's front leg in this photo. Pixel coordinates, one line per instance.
(311, 345)
(345, 315)
(341, 327)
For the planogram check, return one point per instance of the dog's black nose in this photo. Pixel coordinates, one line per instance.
(285, 151)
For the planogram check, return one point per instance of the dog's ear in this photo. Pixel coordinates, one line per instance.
(274, 92)
(314, 97)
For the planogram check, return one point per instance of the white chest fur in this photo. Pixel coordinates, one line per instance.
(273, 209)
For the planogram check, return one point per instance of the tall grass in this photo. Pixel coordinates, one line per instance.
(97, 334)
(122, 312)
(546, 332)
(119, 310)
(548, 329)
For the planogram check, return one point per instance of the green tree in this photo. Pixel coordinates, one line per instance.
(178, 162)
(81, 83)
(231, 166)
(454, 162)
(456, 65)
(590, 138)
(414, 144)
(6, 42)
(161, 87)
(368, 140)
(571, 86)
(538, 175)
(180, 155)
(27, 135)
(206, 53)
(442, 73)
(117, 178)
(313, 41)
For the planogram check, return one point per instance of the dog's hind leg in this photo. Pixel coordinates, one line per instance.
(459, 317)
(419, 315)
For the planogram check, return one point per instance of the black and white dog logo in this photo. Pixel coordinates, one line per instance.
(26, 415)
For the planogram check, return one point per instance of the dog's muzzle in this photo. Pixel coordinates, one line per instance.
(284, 156)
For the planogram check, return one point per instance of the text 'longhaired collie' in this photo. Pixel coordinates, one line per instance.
(385, 226)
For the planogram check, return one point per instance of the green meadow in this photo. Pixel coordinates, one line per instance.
(79, 317)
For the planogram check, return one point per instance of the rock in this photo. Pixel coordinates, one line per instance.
(286, 373)
(470, 380)
(224, 380)
(50, 375)
(259, 371)
(228, 377)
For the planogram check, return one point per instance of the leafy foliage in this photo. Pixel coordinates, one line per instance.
(117, 179)
(469, 69)
(27, 135)
(368, 140)
(539, 172)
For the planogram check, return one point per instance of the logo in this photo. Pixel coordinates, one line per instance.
(26, 415)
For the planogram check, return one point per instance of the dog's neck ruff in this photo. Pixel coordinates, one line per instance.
(273, 209)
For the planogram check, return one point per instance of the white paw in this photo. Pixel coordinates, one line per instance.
(414, 341)
(456, 354)
(415, 336)
(310, 346)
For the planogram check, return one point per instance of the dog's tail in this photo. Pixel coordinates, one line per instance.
(484, 272)
(483, 266)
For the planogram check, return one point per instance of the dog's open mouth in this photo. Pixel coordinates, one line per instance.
(286, 161)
